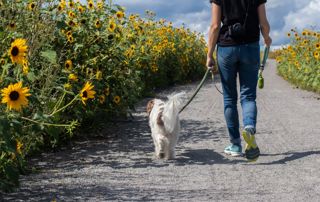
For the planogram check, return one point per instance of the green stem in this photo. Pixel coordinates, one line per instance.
(59, 102)
(64, 107)
(46, 124)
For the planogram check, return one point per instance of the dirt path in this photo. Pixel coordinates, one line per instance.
(120, 169)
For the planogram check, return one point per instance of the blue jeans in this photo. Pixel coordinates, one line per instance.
(243, 59)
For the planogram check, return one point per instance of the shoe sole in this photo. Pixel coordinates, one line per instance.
(233, 154)
(252, 152)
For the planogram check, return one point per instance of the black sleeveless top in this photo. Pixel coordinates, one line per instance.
(234, 11)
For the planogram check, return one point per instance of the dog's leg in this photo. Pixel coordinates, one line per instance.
(167, 154)
(157, 148)
(172, 144)
(156, 144)
(162, 148)
(171, 154)
(171, 151)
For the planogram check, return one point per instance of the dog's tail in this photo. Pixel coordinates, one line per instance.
(171, 111)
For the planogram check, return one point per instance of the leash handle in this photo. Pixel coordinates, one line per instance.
(264, 60)
(265, 57)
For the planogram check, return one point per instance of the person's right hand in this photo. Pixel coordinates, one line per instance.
(268, 41)
(211, 63)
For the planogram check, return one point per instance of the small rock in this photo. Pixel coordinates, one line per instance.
(42, 163)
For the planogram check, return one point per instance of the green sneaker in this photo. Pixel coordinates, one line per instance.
(233, 150)
(252, 151)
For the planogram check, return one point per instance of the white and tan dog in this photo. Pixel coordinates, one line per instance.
(165, 124)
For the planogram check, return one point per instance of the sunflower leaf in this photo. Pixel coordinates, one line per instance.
(31, 76)
(50, 55)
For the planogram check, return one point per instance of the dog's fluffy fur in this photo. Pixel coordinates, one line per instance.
(165, 124)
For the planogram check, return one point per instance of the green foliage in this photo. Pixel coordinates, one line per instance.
(299, 63)
(80, 63)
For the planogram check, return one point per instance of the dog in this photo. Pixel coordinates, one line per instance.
(165, 124)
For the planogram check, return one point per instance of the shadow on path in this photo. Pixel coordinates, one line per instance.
(204, 157)
(290, 156)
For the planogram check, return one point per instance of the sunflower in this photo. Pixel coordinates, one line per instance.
(316, 54)
(120, 14)
(71, 23)
(31, 6)
(304, 33)
(71, 4)
(154, 68)
(68, 64)
(107, 91)
(25, 68)
(117, 99)
(90, 5)
(12, 25)
(18, 51)
(60, 7)
(2, 61)
(15, 96)
(67, 86)
(289, 34)
(132, 17)
(19, 146)
(80, 9)
(70, 39)
(69, 33)
(87, 92)
(99, 75)
(71, 14)
(98, 24)
(100, 5)
(102, 99)
(318, 46)
(112, 26)
(73, 77)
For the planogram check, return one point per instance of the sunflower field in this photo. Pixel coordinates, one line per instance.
(299, 62)
(64, 62)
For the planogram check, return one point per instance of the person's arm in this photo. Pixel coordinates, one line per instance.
(264, 24)
(213, 33)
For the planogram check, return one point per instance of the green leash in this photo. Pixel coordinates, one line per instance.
(197, 90)
(263, 64)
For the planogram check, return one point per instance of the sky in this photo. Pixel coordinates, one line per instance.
(283, 15)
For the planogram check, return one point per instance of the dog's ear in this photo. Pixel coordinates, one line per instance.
(150, 106)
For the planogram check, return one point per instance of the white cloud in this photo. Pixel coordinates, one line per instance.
(282, 14)
(197, 21)
(299, 17)
(305, 17)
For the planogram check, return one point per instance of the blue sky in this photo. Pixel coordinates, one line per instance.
(283, 14)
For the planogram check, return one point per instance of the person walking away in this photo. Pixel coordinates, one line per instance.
(238, 53)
